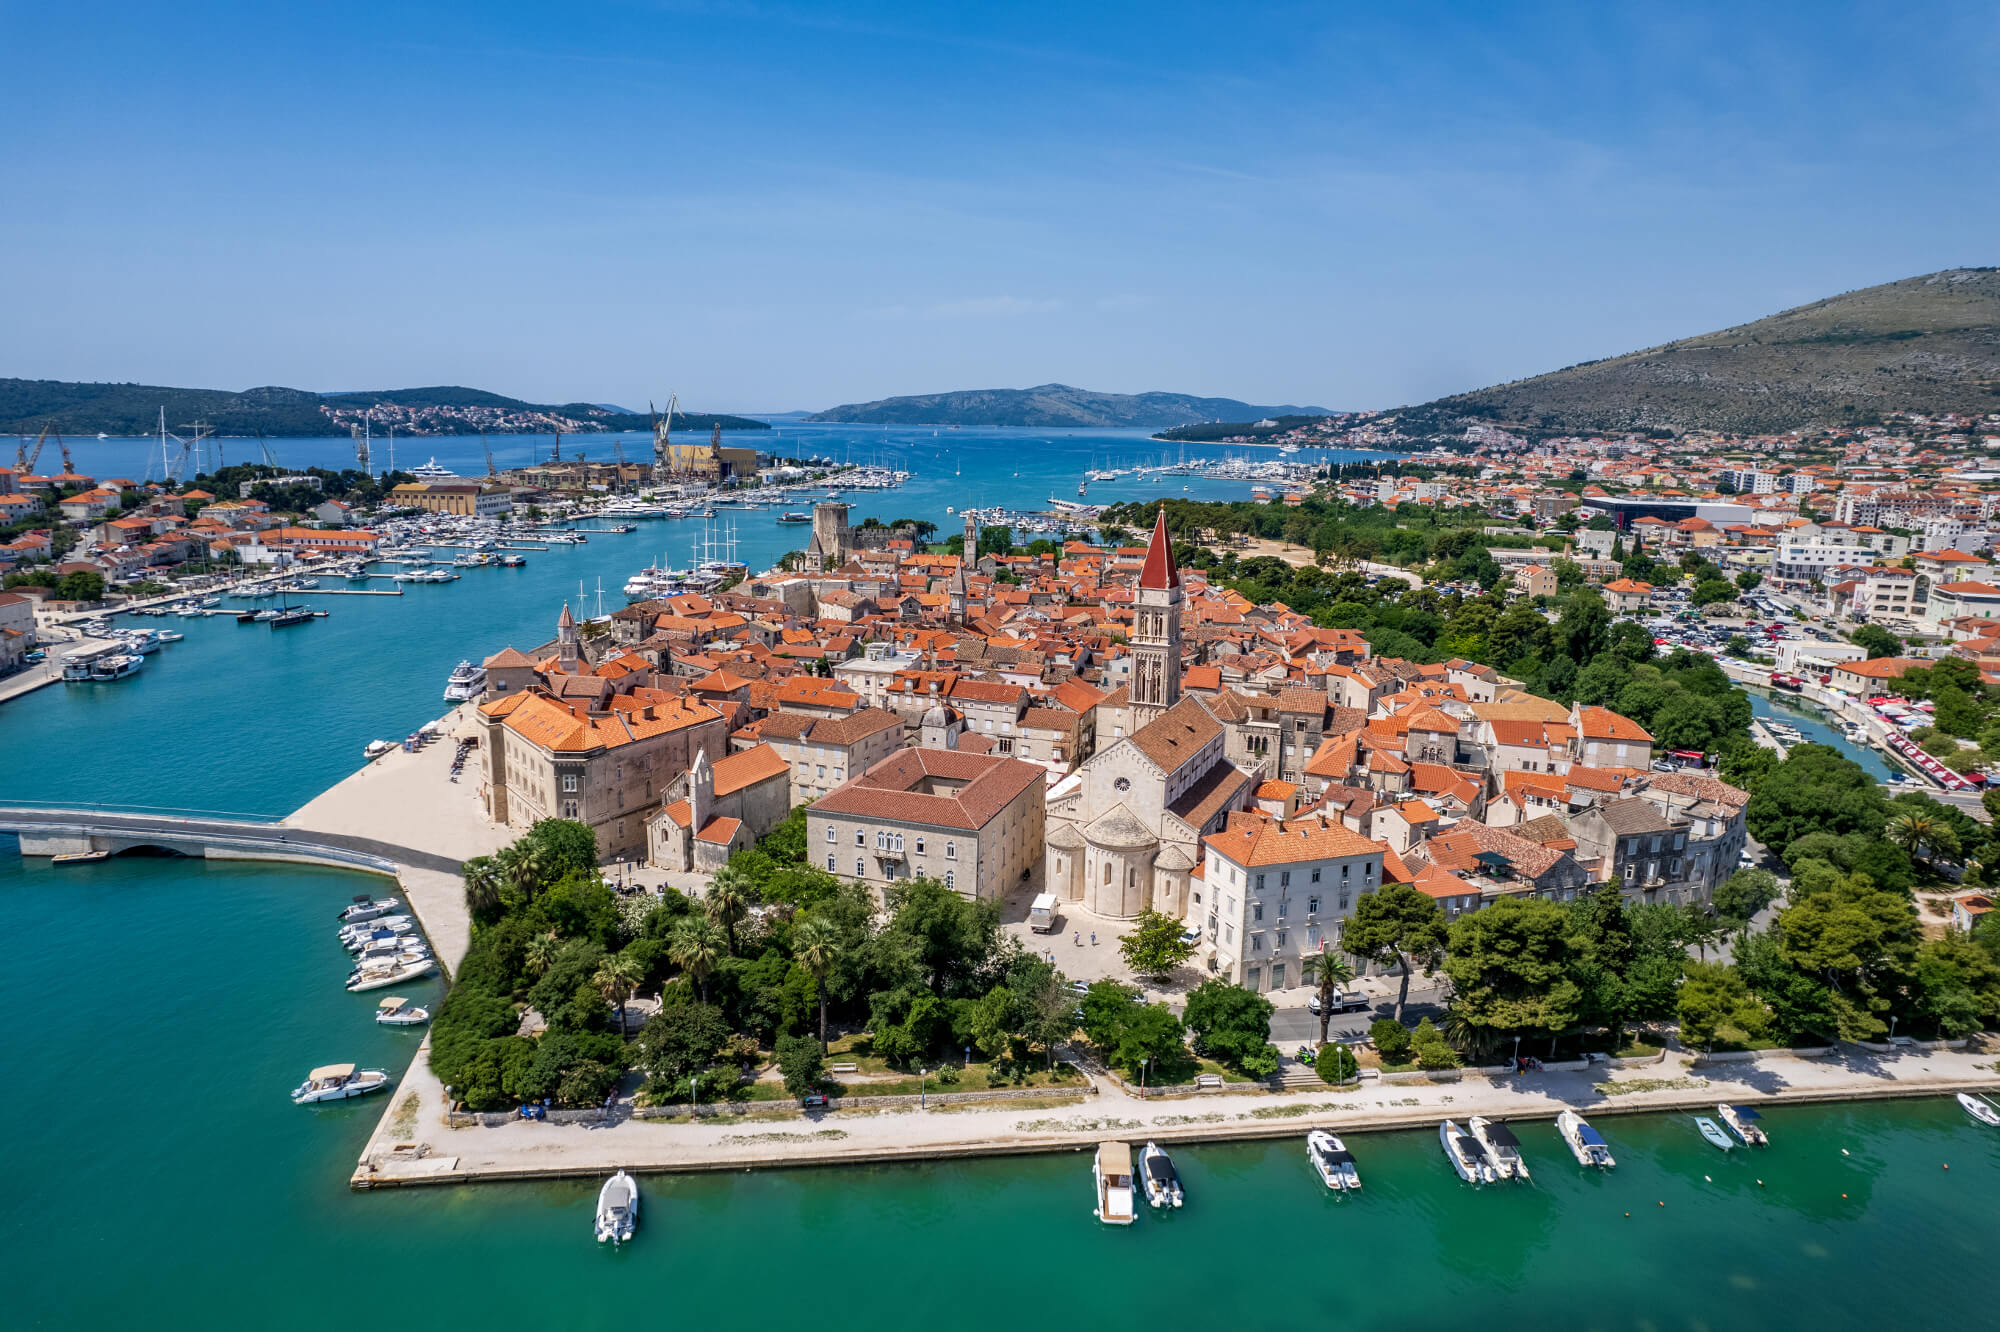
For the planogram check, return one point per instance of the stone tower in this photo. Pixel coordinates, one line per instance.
(701, 791)
(832, 543)
(971, 537)
(1156, 630)
(954, 594)
(569, 644)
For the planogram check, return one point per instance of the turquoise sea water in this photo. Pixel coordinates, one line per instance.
(160, 1010)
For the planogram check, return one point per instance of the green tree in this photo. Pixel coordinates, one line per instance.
(800, 1061)
(1922, 835)
(1711, 591)
(727, 902)
(1715, 1003)
(1814, 790)
(816, 946)
(1431, 1048)
(484, 884)
(1749, 579)
(1857, 940)
(1879, 641)
(1151, 1035)
(952, 938)
(1391, 1040)
(1957, 985)
(81, 585)
(616, 979)
(1509, 966)
(1336, 1063)
(697, 947)
(1106, 1005)
(1397, 924)
(1743, 894)
(1155, 946)
(681, 1039)
(1330, 972)
(1232, 1024)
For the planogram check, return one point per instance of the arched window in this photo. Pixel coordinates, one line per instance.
(1132, 877)
(1107, 873)
(829, 832)
(947, 878)
(829, 862)
(920, 846)
(860, 865)
(951, 850)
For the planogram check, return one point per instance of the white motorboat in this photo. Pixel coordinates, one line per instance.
(1467, 1157)
(617, 1208)
(381, 978)
(1112, 1172)
(401, 1013)
(1743, 1122)
(392, 954)
(466, 681)
(1503, 1149)
(1712, 1131)
(367, 908)
(365, 929)
(1979, 1109)
(1329, 1156)
(337, 1082)
(1584, 1142)
(1156, 1172)
(377, 748)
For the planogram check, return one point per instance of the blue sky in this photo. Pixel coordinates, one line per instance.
(766, 206)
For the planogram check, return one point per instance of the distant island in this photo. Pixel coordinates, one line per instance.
(28, 406)
(1054, 406)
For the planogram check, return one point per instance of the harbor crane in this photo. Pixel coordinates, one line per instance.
(24, 461)
(362, 439)
(491, 470)
(69, 468)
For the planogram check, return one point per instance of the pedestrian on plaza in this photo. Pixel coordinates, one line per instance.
(1093, 938)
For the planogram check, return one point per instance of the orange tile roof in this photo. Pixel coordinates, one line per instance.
(1261, 840)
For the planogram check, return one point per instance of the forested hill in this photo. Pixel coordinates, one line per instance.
(1053, 406)
(27, 406)
(1925, 344)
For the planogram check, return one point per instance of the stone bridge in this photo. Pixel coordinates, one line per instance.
(52, 831)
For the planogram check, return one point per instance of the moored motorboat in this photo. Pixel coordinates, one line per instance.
(1330, 1157)
(377, 748)
(617, 1209)
(1467, 1157)
(337, 1082)
(79, 857)
(401, 1013)
(466, 681)
(1503, 1149)
(354, 937)
(381, 978)
(367, 908)
(1111, 1173)
(1744, 1121)
(1980, 1109)
(1712, 1131)
(1156, 1171)
(1584, 1142)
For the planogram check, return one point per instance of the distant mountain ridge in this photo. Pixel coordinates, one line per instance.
(1052, 406)
(1927, 344)
(29, 405)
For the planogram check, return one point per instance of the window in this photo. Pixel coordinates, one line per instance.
(822, 770)
(829, 833)
(1315, 879)
(951, 850)
(1343, 872)
(860, 865)
(1252, 977)
(1256, 943)
(1260, 883)
(920, 846)
(1368, 870)
(1282, 936)
(1256, 911)
(569, 781)
(899, 842)
(1312, 905)
(829, 860)
(860, 837)
(947, 878)
(1343, 899)
(1229, 934)
(1284, 878)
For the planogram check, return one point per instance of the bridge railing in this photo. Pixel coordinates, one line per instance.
(138, 811)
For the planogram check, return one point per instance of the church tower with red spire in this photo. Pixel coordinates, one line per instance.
(1156, 630)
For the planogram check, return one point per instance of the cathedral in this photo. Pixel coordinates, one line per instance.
(1124, 830)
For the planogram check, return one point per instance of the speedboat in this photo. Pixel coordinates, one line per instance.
(1713, 1132)
(1584, 1142)
(353, 936)
(1743, 1120)
(1979, 1109)
(1112, 1171)
(1331, 1158)
(392, 954)
(337, 1082)
(1467, 1157)
(401, 1013)
(367, 908)
(381, 978)
(617, 1208)
(1156, 1171)
(377, 748)
(1503, 1149)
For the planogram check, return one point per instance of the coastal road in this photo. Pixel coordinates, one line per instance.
(1294, 1026)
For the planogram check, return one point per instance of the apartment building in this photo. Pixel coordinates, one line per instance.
(1278, 892)
(972, 821)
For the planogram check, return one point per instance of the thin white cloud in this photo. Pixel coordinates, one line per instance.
(981, 307)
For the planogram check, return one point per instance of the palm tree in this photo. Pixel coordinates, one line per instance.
(727, 901)
(542, 950)
(1921, 835)
(483, 882)
(696, 946)
(816, 947)
(524, 865)
(1333, 973)
(616, 978)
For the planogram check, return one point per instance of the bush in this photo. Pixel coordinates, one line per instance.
(1392, 1040)
(799, 1061)
(1432, 1050)
(1336, 1063)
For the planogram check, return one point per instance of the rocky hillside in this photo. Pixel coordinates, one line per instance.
(1053, 406)
(1927, 343)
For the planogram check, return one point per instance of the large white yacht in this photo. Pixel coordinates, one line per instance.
(430, 471)
(467, 681)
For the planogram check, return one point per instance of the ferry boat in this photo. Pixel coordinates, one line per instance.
(1503, 1149)
(337, 1082)
(1330, 1157)
(1585, 1144)
(1467, 1157)
(401, 1013)
(1112, 1172)
(617, 1209)
(1156, 1170)
(1743, 1120)
(466, 681)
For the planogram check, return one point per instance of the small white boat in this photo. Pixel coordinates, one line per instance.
(1584, 1142)
(377, 748)
(354, 935)
(1713, 1132)
(1112, 1172)
(617, 1208)
(79, 857)
(1980, 1110)
(401, 1013)
(1503, 1149)
(395, 953)
(1743, 1121)
(381, 978)
(1156, 1171)
(1335, 1164)
(1467, 1157)
(337, 1082)
(366, 908)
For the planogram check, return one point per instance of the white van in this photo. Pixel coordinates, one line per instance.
(1042, 914)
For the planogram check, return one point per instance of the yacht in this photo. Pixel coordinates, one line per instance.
(357, 932)
(381, 978)
(367, 908)
(430, 471)
(1713, 1132)
(1329, 1156)
(1467, 1157)
(803, 517)
(1112, 1172)
(116, 667)
(1743, 1121)
(617, 1208)
(1979, 1109)
(465, 682)
(401, 1013)
(337, 1082)
(1503, 1149)
(511, 561)
(1156, 1170)
(392, 953)
(1584, 1142)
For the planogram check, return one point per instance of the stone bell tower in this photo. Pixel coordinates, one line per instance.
(1156, 630)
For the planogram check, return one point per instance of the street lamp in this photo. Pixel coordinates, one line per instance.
(694, 1108)
(1517, 1053)
(923, 1074)
(1142, 1073)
